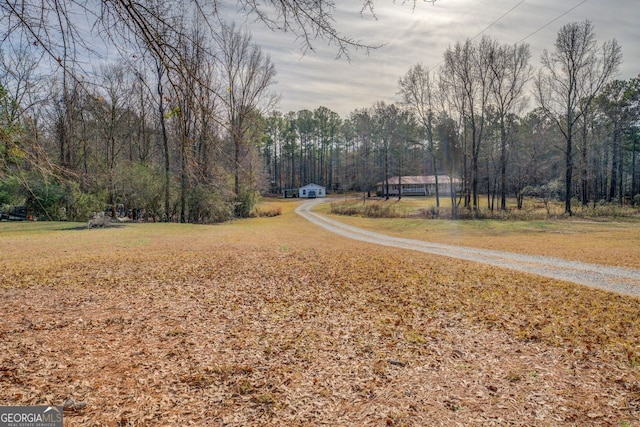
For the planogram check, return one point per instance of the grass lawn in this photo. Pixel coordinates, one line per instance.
(272, 321)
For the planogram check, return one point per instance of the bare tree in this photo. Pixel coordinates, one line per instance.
(417, 89)
(570, 78)
(467, 77)
(113, 115)
(511, 72)
(614, 104)
(160, 89)
(363, 124)
(96, 129)
(52, 25)
(22, 94)
(392, 129)
(248, 73)
(21, 78)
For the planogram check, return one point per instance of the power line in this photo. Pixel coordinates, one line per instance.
(499, 18)
(529, 35)
(522, 39)
(487, 27)
(552, 21)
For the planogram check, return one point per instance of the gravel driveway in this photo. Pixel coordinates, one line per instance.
(616, 279)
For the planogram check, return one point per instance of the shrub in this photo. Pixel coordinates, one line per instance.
(82, 206)
(46, 197)
(380, 210)
(141, 186)
(9, 192)
(612, 209)
(208, 205)
(428, 213)
(267, 212)
(245, 202)
(347, 209)
(368, 210)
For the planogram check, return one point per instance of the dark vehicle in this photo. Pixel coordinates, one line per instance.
(312, 194)
(290, 193)
(17, 213)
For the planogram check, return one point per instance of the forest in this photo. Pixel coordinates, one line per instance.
(184, 125)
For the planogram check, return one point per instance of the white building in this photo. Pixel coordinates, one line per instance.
(311, 191)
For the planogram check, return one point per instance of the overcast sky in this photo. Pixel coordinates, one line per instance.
(422, 35)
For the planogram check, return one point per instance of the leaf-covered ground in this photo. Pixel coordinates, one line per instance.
(273, 322)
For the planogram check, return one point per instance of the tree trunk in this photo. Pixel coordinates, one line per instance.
(568, 163)
(503, 165)
(165, 147)
(183, 178)
(386, 173)
(434, 160)
(634, 180)
(620, 176)
(613, 183)
(236, 167)
(584, 165)
(568, 176)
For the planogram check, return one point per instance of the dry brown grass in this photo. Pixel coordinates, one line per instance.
(270, 321)
(612, 242)
(533, 209)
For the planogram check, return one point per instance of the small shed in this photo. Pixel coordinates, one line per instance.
(311, 191)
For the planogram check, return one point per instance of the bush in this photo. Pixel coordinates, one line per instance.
(245, 202)
(368, 210)
(49, 198)
(347, 209)
(267, 212)
(46, 197)
(428, 213)
(379, 210)
(612, 209)
(9, 192)
(208, 205)
(140, 186)
(533, 209)
(82, 206)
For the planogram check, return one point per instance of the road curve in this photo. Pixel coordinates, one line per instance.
(624, 281)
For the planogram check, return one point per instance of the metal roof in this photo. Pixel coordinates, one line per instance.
(420, 180)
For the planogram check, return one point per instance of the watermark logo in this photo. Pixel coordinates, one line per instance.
(31, 416)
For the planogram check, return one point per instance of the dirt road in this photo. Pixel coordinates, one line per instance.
(616, 279)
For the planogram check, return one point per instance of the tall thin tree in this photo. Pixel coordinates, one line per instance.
(571, 77)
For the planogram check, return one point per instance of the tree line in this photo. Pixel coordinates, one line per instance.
(487, 117)
(184, 127)
(170, 131)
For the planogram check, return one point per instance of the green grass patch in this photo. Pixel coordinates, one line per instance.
(37, 227)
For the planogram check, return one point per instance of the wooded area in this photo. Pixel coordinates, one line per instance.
(184, 126)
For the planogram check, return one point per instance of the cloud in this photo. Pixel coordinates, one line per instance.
(422, 35)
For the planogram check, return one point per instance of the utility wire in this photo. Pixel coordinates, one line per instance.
(487, 27)
(552, 21)
(529, 35)
(522, 39)
(499, 18)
